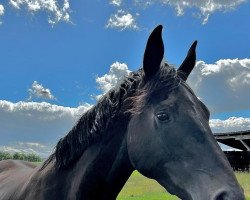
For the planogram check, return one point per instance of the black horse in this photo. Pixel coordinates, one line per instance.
(153, 123)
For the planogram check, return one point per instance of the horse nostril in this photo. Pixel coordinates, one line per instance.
(221, 196)
(229, 195)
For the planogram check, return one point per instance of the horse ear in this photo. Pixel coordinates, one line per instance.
(189, 63)
(154, 52)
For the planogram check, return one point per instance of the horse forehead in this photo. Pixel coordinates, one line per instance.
(182, 92)
(179, 94)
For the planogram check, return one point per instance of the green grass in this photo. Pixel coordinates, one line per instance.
(37, 163)
(244, 180)
(139, 187)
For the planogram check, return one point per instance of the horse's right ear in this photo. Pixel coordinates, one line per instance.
(189, 62)
(154, 52)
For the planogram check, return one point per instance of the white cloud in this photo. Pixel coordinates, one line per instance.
(205, 7)
(116, 2)
(1, 12)
(122, 20)
(38, 91)
(224, 85)
(42, 123)
(229, 125)
(57, 12)
(117, 72)
(43, 111)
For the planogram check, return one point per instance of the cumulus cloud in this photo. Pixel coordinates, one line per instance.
(36, 122)
(117, 72)
(205, 7)
(57, 11)
(122, 20)
(224, 85)
(37, 90)
(230, 125)
(116, 2)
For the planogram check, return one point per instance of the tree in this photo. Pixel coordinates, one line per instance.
(5, 155)
(19, 156)
(31, 157)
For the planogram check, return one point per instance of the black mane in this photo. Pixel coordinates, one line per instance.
(93, 124)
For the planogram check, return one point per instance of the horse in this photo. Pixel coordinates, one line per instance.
(152, 122)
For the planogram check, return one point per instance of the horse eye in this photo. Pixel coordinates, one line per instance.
(162, 116)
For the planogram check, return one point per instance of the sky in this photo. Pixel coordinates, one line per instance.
(57, 57)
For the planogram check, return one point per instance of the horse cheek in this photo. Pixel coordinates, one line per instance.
(144, 148)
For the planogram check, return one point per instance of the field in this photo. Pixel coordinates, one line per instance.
(139, 188)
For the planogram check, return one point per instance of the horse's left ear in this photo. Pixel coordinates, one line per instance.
(189, 63)
(154, 52)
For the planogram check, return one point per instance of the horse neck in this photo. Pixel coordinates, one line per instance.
(104, 167)
(100, 172)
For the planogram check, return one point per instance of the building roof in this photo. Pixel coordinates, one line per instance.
(239, 140)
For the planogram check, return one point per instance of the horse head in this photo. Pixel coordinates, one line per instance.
(169, 138)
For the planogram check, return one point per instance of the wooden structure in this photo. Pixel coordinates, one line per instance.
(239, 160)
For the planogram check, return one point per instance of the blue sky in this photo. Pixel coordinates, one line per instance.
(54, 53)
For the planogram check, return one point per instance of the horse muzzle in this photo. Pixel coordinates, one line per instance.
(229, 195)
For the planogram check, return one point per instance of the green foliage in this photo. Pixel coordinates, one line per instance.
(5, 156)
(31, 157)
(19, 156)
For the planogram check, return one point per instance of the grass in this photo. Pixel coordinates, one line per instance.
(37, 163)
(244, 180)
(139, 187)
